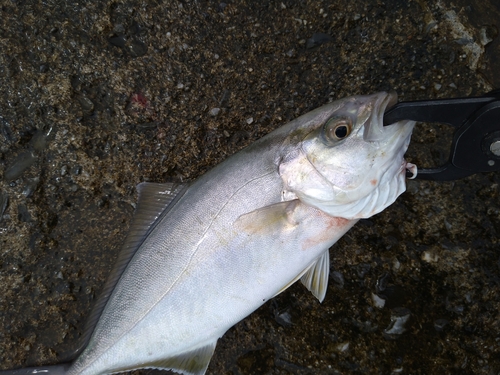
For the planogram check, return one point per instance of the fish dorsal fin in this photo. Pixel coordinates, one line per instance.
(194, 362)
(316, 277)
(154, 202)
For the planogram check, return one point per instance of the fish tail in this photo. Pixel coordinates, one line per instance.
(39, 370)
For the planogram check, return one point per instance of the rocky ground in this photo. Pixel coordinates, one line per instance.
(98, 96)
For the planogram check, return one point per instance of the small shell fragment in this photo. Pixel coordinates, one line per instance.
(399, 318)
(378, 302)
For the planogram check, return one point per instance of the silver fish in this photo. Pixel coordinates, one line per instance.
(201, 257)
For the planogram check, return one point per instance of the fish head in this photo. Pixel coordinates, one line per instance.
(347, 163)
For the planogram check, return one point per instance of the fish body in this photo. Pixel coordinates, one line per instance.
(201, 257)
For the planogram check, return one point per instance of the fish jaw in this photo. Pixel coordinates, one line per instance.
(361, 175)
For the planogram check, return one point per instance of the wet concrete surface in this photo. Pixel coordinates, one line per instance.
(97, 97)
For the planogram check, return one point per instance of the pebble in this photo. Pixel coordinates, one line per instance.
(86, 104)
(137, 48)
(399, 318)
(451, 59)
(317, 39)
(20, 164)
(39, 141)
(464, 41)
(76, 170)
(342, 347)
(284, 318)
(338, 279)
(431, 25)
(4, 200)
(377, 301)
(362, 269)
(23, 214)
(5, 130)
(440, 324)
(447, 225)
(487, 34)
(226, 95)
(30, 186)
(412, 186)
(430, 257)
(118, 41)
(382, 282)
(396, 265)
(214, 112)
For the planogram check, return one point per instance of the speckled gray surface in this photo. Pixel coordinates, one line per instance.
(97, 97)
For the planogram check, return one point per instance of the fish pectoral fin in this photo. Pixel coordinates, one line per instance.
(269, 219)
(194, 362)
(316, 276)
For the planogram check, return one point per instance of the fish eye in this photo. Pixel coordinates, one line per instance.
(337, 128)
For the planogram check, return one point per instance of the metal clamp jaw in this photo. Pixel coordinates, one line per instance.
(476, 142)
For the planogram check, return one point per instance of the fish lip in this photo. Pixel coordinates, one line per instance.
(374, 129)
(387, 101)
(391, 101)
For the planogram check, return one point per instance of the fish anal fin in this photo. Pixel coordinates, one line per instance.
(194, 362)
(316, 276)
(61, 369)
